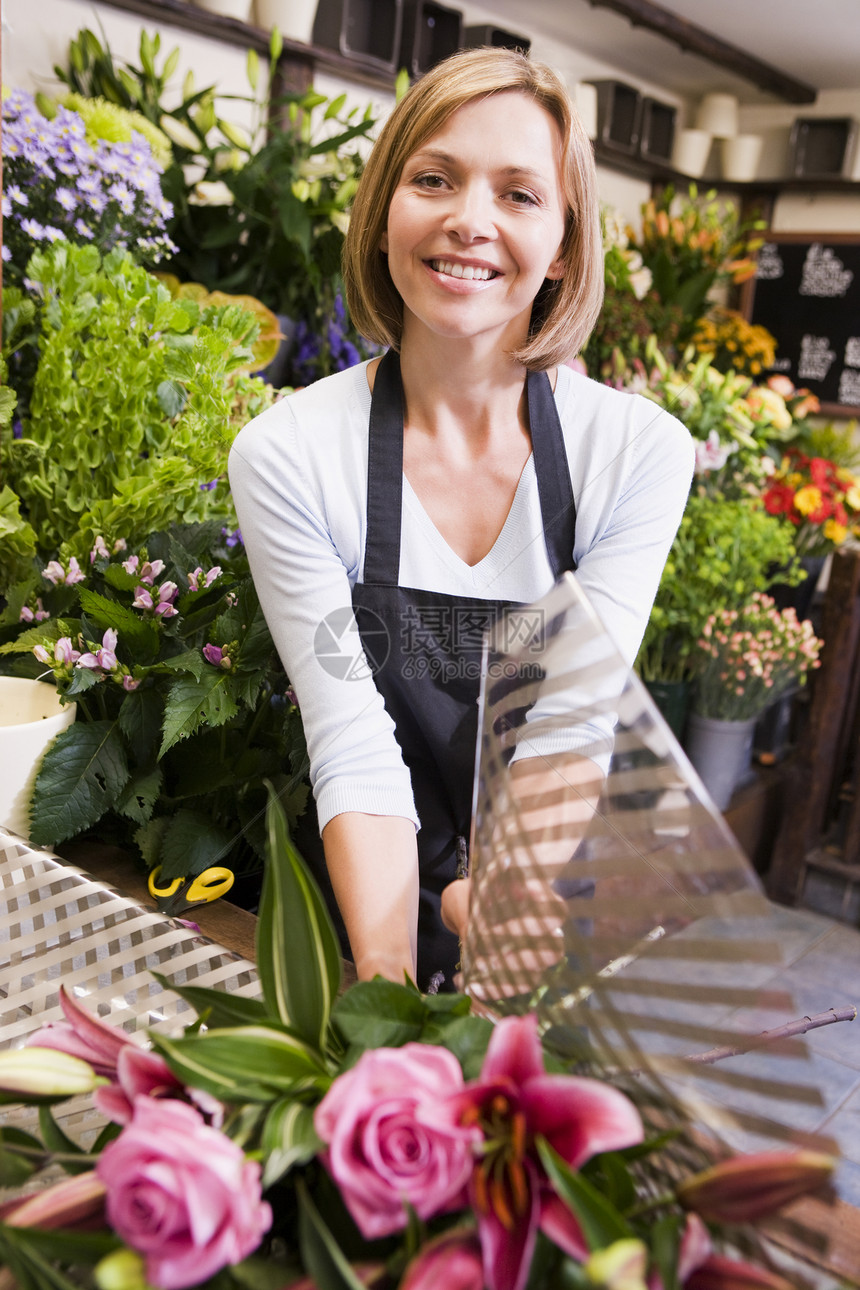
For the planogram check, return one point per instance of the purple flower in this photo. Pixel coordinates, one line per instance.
(142, 598)
(33, 229)
(6, 253)
(150, 571)
(130, 565)
(167, 593)
(129, 683)
(75, 573)
(105, 657)
(99, 550)
(64, 651)
(215, 655)
(26, 616)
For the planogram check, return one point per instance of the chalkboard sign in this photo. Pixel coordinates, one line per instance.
(806, 292)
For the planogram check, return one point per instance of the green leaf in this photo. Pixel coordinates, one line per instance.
(15, 1169)
(83, 679)
(289, 1139)
(223, 1009)
(81, 776)
(148, 838)
(380, 1014)
(56, 1140)
(190, 660)
(466, 1037)
(191, 703)
(191, 843)
(139, 719)
(298, 955)
(323, 1258)
(137, 800)
(665, 1242)
(246, 1063)
(172, 398)
(42, 634)
(131, 628)
(601, 1223)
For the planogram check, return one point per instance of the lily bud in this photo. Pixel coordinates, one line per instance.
(621, 1266)
(69, 1203)
(122, 1270)
(720, 1273)
(43, 1075)
(746, 1188)
(452, 1259)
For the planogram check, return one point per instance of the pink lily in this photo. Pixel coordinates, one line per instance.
(515, 1102)
(83, 1035)
(134, 1071)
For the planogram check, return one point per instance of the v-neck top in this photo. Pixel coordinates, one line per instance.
(299, 479)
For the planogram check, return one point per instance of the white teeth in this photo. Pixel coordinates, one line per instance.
(467, 271)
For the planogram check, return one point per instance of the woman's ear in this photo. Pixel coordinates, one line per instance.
(383, 242)
(556, 269)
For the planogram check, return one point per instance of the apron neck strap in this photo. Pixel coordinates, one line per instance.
(385, 474)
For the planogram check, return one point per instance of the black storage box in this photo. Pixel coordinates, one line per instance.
(475, 37)
(430, 33)
(619, 115)
(365, 31)
(657, 131)
(822, 147)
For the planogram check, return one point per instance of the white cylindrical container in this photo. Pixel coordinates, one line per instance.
(740, 157)
(690, 152)
(31, 716)
(240, 9)
(293, 18)
(718, 114)
(585, 97)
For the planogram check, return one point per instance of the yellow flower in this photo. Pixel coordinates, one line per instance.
(808, 499)
(835, 532)
(852, 497)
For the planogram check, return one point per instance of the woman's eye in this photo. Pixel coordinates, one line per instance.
(429, 181)
(521, 198)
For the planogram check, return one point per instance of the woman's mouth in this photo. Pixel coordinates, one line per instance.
(451, 269)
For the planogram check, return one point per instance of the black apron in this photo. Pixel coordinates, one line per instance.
(425, 650)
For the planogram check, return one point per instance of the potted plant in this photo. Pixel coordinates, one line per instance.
(259, 212)
(724, 551)
(743, 660)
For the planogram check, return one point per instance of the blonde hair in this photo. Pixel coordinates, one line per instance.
(565, 311)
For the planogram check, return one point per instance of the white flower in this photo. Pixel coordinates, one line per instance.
(210, 193)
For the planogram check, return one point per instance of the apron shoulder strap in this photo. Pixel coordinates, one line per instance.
(558, 509)
(385, 475)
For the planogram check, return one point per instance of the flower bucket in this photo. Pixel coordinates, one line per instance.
(721, 751)
(31, 716)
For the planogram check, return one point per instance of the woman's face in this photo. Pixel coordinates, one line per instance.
(476, 222)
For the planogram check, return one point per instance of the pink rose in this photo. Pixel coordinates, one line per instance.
(385, 1147)
(181, 1194)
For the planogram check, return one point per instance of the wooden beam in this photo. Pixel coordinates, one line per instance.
(696, 40)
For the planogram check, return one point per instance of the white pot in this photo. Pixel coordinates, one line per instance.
(31, 716)
(740, 157)
(293, 18)
(240, 9)
(690, 153)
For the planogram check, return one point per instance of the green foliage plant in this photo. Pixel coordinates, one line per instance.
(130, 403)
(724, 552)
(183, 709)
(260, 211)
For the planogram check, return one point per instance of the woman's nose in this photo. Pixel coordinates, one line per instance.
(471, 214)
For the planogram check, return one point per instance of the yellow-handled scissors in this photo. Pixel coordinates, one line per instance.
(185, 893)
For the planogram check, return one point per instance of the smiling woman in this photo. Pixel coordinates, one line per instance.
(427, 493)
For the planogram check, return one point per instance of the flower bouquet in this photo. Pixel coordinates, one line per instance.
(820, 499)
(748, 657)
(370, 1137)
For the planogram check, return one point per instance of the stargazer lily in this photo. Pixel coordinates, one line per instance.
(515, 1102)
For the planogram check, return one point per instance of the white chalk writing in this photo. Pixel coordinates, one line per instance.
(849, 387)
(852, 351)
(815, 358)
(769, 263)
(824, 274)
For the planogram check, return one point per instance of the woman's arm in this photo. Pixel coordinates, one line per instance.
(372, 861)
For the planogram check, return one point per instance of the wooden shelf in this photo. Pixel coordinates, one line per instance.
(188, 17)
(656, 172)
